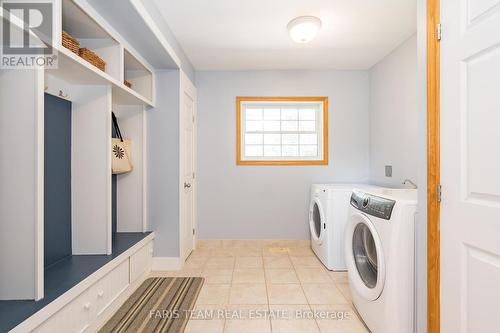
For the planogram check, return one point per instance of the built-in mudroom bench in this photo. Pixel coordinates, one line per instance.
(75, 239)
(83, 291)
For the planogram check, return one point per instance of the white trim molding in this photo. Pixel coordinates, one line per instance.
(167, 264)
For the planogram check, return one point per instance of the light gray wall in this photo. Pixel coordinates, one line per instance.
(163, 165)
(186, 65)
(271, 202)
(394, 116)
(398, 135)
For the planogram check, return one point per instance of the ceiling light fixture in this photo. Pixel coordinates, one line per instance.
(303, 29)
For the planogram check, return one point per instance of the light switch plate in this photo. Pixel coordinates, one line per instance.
(388, 170)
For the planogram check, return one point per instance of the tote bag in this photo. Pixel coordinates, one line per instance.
(120, 151)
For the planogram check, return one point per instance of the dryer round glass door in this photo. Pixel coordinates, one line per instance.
(316, 220)
(364, 257)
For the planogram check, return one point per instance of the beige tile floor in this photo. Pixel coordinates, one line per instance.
(267, 286)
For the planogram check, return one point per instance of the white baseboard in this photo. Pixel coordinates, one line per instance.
(166, 264)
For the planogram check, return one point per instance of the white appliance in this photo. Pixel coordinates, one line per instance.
(328, 213)
(380, 258)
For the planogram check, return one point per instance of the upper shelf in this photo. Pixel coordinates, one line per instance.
(75, 70)
(95, 36)
(119, 62)
(138, 75)
(92, 36)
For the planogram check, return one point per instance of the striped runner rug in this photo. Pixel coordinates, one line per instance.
(158, 305)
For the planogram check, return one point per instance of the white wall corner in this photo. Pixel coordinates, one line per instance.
(166, 264)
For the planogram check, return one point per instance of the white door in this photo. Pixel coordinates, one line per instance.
(188, 165)
(470, 166)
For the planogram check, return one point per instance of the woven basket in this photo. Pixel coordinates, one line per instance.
(93, 58)
(70, 42)
(128, 83)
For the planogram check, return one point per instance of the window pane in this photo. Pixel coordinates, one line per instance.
(272, 139)
(289, 114)
(309, 150)
(289, 139)
(290, 150)
(271, 126)
(254, 126)
(253, 139)
(273, 151)
(307, 114)
(281, 130)
(271, 114)
(253, 114)
(289, 126)
(307, 126)
(308, 139)
(253, 150)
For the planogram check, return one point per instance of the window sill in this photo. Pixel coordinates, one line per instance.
(301, 162)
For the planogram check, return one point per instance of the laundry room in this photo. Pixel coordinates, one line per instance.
(367, 141)
(259, 167)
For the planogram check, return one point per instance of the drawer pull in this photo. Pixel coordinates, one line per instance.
(87, 306)
(100, 293)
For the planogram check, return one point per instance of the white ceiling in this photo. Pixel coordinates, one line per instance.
(252, 34)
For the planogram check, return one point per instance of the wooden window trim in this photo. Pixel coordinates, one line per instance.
(240, 99)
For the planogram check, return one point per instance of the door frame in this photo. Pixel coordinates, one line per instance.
(433, 167)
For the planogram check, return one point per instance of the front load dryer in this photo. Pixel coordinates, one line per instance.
(380, 258)
(328, 213)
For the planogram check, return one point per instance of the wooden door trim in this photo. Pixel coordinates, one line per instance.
(433, 167)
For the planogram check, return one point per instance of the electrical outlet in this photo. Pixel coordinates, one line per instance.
(388, 170)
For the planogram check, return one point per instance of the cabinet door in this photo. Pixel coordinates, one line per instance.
(76, 316)
(140, 262)
(107, 289)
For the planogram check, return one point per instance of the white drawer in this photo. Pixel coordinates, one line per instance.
(76, 316)
(140, 262)
(79, 314)
(107, 289)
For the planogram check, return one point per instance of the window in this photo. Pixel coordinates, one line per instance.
(282, 130)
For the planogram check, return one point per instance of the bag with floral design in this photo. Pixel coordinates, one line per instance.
(120, 151)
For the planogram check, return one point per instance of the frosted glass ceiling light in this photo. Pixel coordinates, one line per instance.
(303, 29)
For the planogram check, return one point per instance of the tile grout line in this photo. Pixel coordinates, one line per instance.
(267, 290)
(229, 296)
(305, 295)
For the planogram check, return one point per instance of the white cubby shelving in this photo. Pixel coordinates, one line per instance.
(138, 75)
(94, 95)
(92, 36)
(131, 187)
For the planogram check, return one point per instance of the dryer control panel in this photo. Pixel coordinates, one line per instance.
(372, 205)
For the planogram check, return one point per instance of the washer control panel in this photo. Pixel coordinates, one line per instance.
(372, 205)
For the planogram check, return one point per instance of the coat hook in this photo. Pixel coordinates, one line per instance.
(63, 95)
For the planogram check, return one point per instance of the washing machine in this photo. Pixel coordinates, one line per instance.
(380, 258)
(328, 212)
